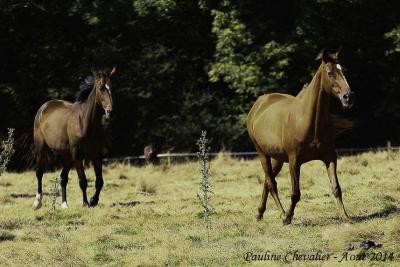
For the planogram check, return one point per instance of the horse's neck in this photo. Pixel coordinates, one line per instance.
(90, 114)
(316, 106)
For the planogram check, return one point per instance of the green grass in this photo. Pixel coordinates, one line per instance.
(164, 227)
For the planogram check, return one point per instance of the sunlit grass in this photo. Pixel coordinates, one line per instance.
(164, 226)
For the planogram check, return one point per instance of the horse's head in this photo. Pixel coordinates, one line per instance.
(333, 79)
(103, 90)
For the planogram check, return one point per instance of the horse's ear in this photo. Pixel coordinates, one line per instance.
(319, 56)
(112, 71)
(94, 73)
(339, 54)
(325, 56)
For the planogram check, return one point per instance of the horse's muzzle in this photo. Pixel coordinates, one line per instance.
(347, 100)
(107, 113)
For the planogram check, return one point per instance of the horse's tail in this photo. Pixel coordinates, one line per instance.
(24, 156)
(342, 124)
(86, 162)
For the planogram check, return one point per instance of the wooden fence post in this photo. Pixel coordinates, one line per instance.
(168, 159)
(389, 150)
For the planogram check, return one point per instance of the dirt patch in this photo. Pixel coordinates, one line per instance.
(365, 244)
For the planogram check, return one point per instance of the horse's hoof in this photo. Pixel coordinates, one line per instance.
(93, 202)
(287, 220)
(86, 205)
(64, 205)
(37, 205)
(259, 217)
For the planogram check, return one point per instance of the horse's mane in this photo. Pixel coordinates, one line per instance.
(85, 88)
(303, 89)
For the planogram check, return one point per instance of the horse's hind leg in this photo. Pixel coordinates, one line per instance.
(97, 165)
(40, 165)
(276, 168)
(270, 170)
(82, 181)
(64, 182)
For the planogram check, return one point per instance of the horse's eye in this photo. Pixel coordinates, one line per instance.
(330, 73)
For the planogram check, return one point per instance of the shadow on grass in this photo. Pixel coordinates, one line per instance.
(26, 195)
(386, 212)
(13, 224)
(6, 236)
(130, 203)
(313, 223)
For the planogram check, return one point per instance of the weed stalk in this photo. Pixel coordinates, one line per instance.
(205, 183)
(7, 150)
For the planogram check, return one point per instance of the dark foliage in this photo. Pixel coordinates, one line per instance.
(185, 66)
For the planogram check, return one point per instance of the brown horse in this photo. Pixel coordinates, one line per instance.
(298, 129)
(74, 132)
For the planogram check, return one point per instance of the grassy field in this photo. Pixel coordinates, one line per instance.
(163, 227)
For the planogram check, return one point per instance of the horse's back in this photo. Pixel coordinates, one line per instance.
(266, 122)
(50, 124)
(269, 103)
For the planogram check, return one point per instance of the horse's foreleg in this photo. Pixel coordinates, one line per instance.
(82, 181)
(97, 165)
(64, 182)
(336, 190)
(294, 168)
(270, 170)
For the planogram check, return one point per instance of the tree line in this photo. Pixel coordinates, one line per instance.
(188, 66)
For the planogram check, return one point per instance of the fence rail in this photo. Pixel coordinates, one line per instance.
(340, 152)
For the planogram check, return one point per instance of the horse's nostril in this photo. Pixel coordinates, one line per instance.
(346, 96)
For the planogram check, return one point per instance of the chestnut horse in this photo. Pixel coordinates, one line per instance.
(74, 132)
(298, 129)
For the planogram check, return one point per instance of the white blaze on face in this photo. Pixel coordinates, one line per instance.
(340, 68)
(108, 87)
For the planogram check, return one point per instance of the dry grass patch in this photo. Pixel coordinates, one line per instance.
(164, 225)
(147, 186)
